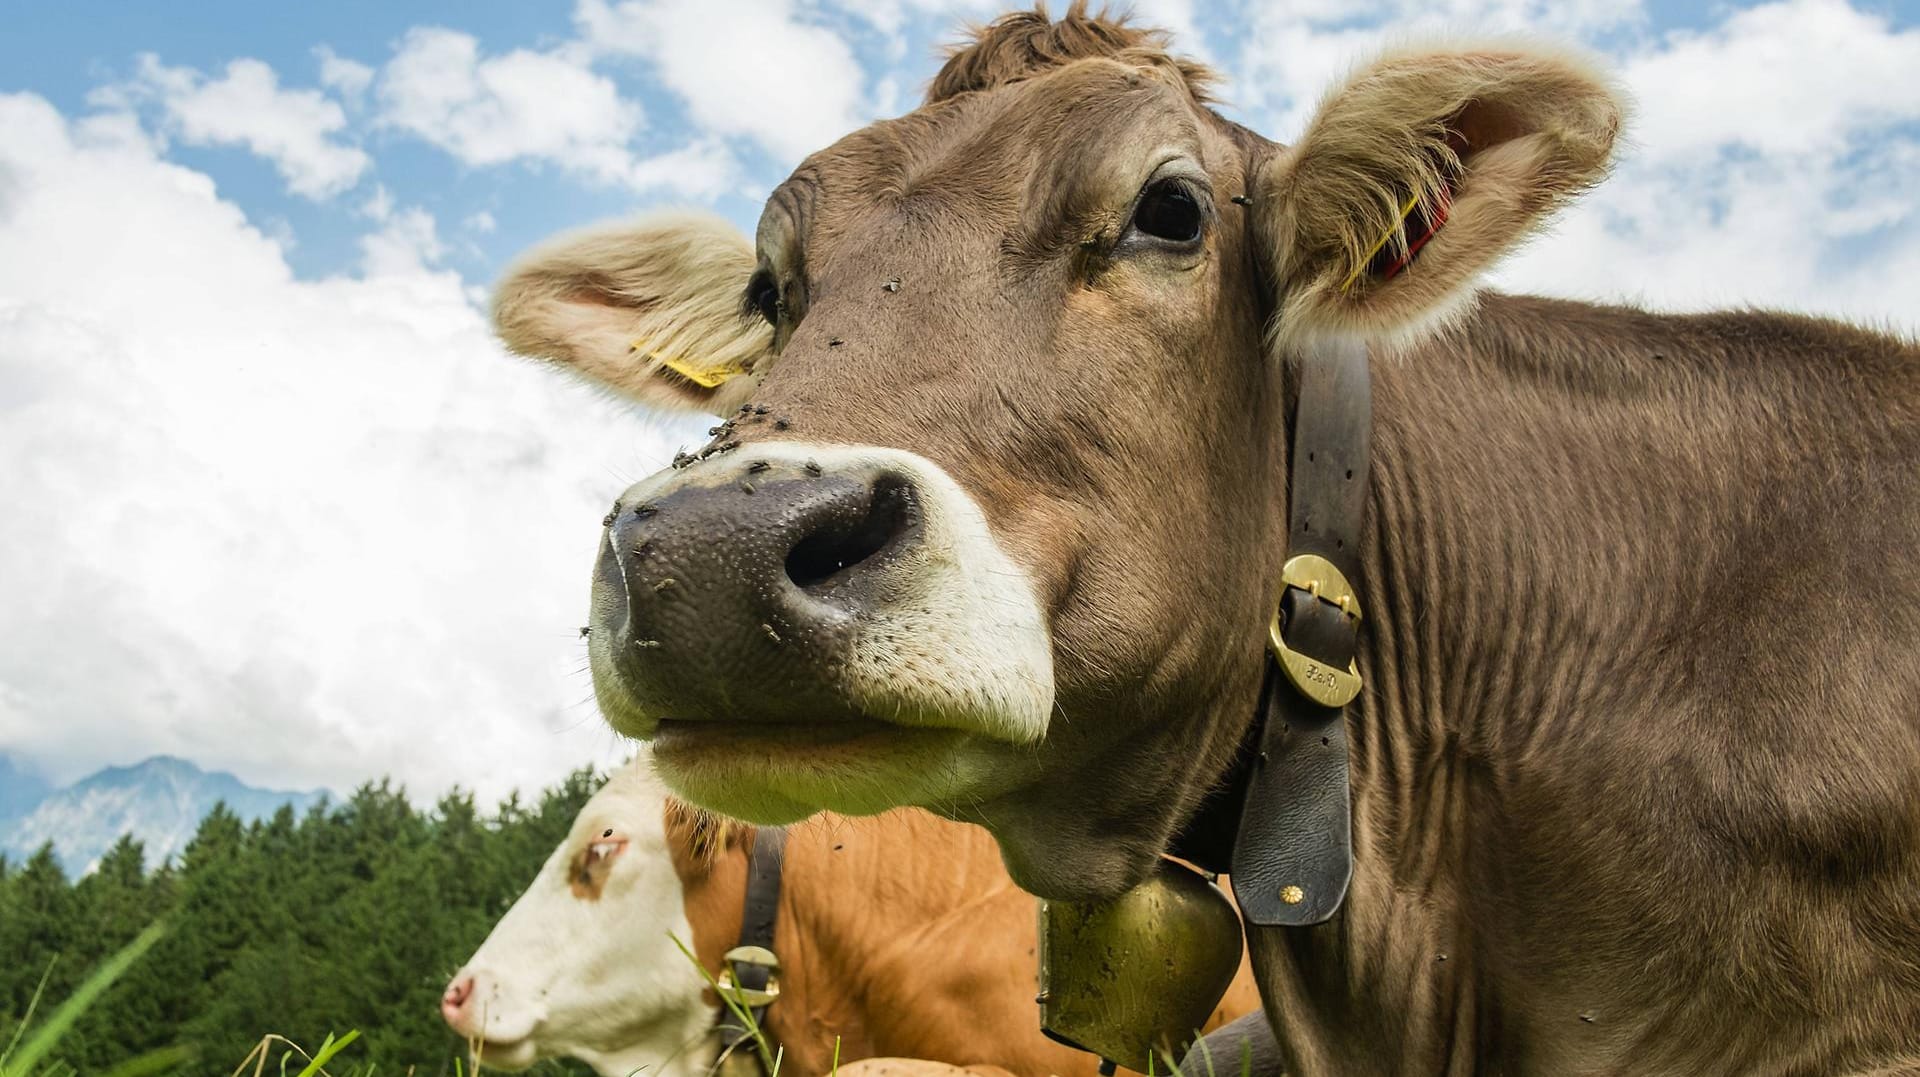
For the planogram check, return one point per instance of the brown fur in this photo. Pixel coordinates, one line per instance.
(1637, 770)
(900, 934)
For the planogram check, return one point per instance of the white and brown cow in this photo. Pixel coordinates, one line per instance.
(899, 936)
(584, 965)
(1636, 773)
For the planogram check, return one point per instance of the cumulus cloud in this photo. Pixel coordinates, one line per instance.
(306, 530)
(1771, 161)
(349, 77)
(295, 129)
(530, 106)
(764, 71)
(1290, 53)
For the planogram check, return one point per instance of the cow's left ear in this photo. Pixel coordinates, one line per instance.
(1417, 173)
(653, 309)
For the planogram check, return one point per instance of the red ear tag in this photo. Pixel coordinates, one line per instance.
(1420, 227)
(1417, 223)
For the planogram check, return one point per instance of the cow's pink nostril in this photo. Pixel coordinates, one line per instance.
(456, 996)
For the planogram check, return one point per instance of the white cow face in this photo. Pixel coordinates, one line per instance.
(583, 965)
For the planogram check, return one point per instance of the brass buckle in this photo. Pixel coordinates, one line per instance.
(748, 997)
(1329, 686)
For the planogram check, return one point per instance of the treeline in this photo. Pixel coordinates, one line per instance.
(349, 916)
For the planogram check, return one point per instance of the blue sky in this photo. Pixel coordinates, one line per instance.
(279, 504)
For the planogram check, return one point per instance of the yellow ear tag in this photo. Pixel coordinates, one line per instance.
(1367, 258)
(705, 379)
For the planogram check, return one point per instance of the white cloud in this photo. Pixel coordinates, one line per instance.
(1770, 162)
(761, 71)
(1293, 51)
(295, 129)
(480, 222)
(528, 106)
(304, 530)
(349, 77)
(406, 245)
(1796, 77)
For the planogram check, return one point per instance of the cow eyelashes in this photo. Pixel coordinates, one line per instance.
(1168, 212)
(763, 297)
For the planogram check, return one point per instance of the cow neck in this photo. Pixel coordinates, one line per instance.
(1279, 818)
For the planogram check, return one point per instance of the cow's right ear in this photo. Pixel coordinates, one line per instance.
(651, 309)
(1450, 155)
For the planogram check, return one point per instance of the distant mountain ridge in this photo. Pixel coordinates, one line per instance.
(21, 791)
(160, 801)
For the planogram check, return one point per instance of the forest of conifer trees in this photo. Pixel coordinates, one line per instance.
(351, 916)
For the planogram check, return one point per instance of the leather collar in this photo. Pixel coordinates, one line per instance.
(1279, 820)
(750, 971)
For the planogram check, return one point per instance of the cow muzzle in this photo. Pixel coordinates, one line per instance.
(811, 602)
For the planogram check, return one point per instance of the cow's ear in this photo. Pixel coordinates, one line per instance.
(652, 309)
(1417, 173)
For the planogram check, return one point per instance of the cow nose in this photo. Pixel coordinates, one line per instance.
(453, 1002)
(749, 578)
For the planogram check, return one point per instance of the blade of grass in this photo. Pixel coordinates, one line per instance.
(42, 1041)
(160, 1061)
(745, 1015)
(328, 1049)
(32, 1005)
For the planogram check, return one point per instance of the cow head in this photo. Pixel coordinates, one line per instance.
(584, 965)
(994, 523)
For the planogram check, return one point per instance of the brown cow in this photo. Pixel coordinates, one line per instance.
(1636, 774)
(900, 935)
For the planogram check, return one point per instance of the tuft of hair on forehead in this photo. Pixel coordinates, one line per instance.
(1023, 44)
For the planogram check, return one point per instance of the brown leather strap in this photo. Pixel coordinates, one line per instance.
(765, 867)
(1293, 854)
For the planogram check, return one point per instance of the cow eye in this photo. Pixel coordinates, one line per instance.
(1168, 211)
(763, 297)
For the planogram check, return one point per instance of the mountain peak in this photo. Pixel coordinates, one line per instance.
(159, 801)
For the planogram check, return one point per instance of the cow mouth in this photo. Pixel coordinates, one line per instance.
(686, 736)
(777, 773)
(774, 748)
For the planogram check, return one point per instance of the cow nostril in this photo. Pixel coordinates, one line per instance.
(847, 539)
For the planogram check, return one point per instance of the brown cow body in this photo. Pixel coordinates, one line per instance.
(1637, 767)
(900, 936)
(1632, 792)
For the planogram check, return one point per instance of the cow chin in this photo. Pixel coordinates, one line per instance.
(800, 627)
(505, 1055)
(773, 781)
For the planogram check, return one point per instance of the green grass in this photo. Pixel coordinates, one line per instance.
(28, 1050)
(770, 1056)
(23, 1056)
